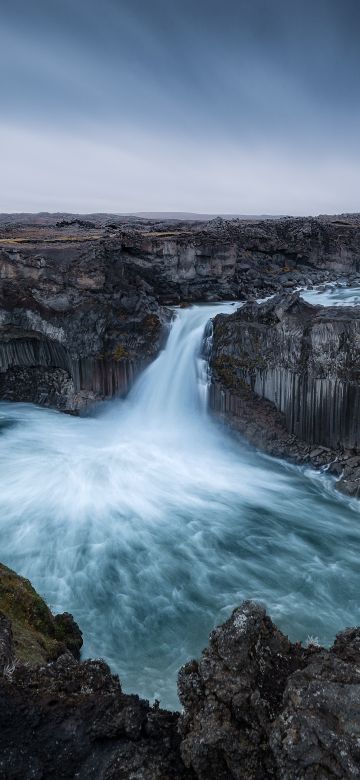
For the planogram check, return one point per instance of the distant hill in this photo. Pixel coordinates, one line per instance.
(193, 216)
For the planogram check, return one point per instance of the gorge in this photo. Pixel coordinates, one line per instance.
(145, 517)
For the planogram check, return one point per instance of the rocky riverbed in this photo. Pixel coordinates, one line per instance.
(254, 705)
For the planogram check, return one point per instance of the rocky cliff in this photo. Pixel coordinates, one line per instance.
(77, 323)
(254, 705)
(303, 359)
(83, 301)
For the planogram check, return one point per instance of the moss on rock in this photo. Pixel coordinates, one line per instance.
(38, 635)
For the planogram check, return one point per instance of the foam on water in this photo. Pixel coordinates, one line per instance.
(333, 294)
(150, 523)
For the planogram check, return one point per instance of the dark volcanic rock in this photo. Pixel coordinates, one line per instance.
(69, 719)
(32, 634)
(317, 734)
(232, 696)
(255, 706)
(82, 300)
(304, 360)
(63, 719)
(76, 323)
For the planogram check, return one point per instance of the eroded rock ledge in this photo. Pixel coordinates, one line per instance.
(254, 706)
(286, 375)
(83, 302)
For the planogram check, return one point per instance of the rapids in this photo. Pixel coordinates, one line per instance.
(333, 294)
(149, 522)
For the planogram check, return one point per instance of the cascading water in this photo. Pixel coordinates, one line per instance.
(332, 294)
(150, 523)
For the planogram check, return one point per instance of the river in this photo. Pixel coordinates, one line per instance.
(150, 523)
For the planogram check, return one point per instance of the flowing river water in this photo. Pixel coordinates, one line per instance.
(150, 523)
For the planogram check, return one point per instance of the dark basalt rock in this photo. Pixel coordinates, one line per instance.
(317, 734)
(82, 301)
(302, 359)
(77, 324)
(255, 706)
(63, 719)
(70, 719)
(232, 696)
(31, 633)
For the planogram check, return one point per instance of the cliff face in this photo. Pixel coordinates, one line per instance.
(76, 324)
(225, 258)
(302, 358)
(254, 705)
(82, 303)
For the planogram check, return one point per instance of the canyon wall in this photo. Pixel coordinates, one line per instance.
(83, 305)
(302, 358)
(76, 325)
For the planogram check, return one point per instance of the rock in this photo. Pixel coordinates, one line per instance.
(349, 487)
(315, 453)
(317, 734)
(63, 718)
(69, 632)
(6, 644)
(83, 301)
(68, 719)
(255, 706)
(285, 367)
(77, 327)
(37, 636)
(232, 696)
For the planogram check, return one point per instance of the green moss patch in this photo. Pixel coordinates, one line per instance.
(38, 635)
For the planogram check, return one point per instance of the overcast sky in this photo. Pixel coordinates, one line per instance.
(238, 106)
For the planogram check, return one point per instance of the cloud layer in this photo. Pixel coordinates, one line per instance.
(244, 106)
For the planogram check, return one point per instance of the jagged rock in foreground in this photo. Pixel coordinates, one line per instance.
(37, 635)
(69, 719)
(255, 706)
(63, 718)
(304, 360)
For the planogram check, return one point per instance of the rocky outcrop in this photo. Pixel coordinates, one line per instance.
(63, 718)
(76, 325)
(254, 705)
(69, 719)
(36, 636)
(304, 360)
(236, 257)
(257, 706)
(83, 301)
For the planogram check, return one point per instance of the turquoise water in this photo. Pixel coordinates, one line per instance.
(150, 523)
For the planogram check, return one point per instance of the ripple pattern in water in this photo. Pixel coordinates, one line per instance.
(150, 523)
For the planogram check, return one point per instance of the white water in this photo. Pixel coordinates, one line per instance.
(149, 523)
(333, 295)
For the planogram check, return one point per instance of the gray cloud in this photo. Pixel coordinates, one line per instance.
(245, 80)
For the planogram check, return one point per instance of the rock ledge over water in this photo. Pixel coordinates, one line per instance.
(254, 706)
(286, 375)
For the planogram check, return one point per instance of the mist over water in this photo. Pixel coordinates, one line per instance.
(150, 523)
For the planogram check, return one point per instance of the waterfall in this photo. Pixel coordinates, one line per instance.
(173, 389)
(150, 523)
